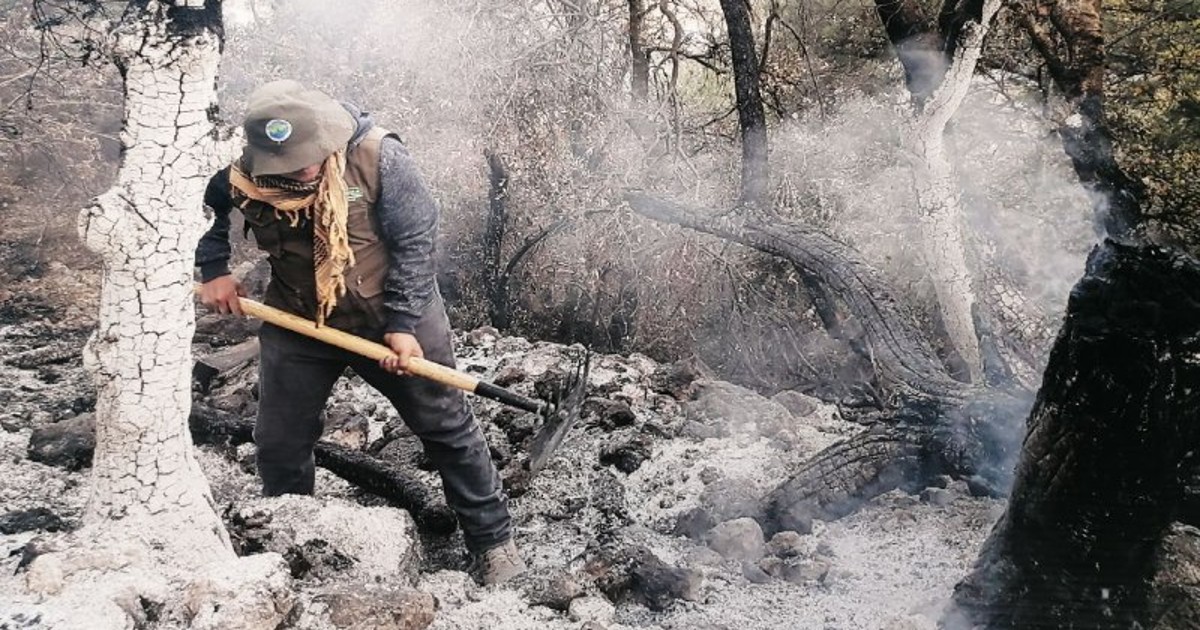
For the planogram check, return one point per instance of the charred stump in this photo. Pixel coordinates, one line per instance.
(1111, 444)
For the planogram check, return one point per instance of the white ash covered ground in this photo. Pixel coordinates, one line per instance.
(643, 519)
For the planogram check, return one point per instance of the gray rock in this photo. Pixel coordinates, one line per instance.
(755, 574)
(634, 573)
(805, 571)
(369, 606)
(799, 405)
(510, 376)
(787, 544)
(607, 414)
(659, 585)
(67, 444)
(937, 496)
(555, 589)
(739, 539)
(703, 556)
(251, 593)
(719, 402)
(694, 523)
(772, 566)
(727, 499)
(676, 379)
(346, 426)
(11, 424)
(482, 336)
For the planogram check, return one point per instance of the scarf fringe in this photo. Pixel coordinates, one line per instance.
(327, 207)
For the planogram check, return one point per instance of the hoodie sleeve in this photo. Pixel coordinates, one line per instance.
(213, 251)
(408, 223)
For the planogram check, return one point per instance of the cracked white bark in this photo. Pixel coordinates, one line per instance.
(938, 201)
(146, 228)
(151, 530)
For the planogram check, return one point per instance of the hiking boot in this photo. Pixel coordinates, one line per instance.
(500, 564)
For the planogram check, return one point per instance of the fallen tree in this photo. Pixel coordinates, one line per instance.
(933, 424)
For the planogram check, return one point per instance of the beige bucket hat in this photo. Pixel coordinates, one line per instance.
(289, 127)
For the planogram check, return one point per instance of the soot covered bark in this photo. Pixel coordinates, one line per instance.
(1111, 440)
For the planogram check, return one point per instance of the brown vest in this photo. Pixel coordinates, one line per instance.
(290, 249)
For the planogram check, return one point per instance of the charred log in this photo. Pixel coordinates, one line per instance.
(974, 440)
(206, 368)
(1111, 444)
(907, 365)
(383, 479)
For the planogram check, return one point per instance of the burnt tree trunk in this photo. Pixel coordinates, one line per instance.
(496, 278)
(1113, 432)
(752, 118)
(1111, 443)
(639, 60)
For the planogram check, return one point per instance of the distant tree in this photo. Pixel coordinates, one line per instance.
(752, 119)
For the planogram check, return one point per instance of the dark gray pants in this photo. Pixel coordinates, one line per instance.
(296, 376)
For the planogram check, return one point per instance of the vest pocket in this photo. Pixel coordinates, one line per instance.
(364, 287)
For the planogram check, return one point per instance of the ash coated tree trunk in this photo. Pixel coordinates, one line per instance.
(153, 546)
(938, 71)
(146, 228)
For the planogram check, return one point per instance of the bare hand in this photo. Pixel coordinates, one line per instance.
(221, 295)
(406, 346)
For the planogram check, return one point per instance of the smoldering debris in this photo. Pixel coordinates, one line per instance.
(645, 518)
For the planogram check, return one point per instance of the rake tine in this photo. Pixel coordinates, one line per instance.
(563, 412)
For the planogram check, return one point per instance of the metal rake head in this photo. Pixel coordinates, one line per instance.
(567, 395)
(563, 409)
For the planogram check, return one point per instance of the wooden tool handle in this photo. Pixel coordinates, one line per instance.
(334, 337)
(416, 366)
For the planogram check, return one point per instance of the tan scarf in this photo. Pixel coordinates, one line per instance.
(325, 205)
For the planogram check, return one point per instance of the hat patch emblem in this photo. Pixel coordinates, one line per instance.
(279, 129)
